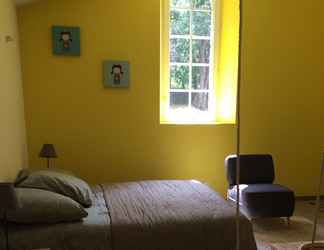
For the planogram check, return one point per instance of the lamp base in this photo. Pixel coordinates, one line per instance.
(310, 246)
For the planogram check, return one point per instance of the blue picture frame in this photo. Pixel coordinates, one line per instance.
(66, 40)
(116, 74)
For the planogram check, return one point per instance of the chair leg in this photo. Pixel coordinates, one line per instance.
(288, 221)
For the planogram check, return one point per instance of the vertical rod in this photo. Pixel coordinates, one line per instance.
(6, 230)
(47, 162)
(238, 126)
(318, 202)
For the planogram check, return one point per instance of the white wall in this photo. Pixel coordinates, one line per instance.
(13, 151)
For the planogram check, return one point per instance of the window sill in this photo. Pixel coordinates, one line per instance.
(194, 123)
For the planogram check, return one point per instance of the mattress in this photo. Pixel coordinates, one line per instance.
(147, 215)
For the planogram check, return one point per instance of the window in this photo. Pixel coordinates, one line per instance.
(191, 45)
(198, 63)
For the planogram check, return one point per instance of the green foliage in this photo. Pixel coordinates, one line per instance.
(180, 16)
(200, 101)
(201, 4)
(197, 4)
(181, 3)
(200, 51)
(179, 50)
(180, 22)
(201, 23)
(200, 77)
(179, 77)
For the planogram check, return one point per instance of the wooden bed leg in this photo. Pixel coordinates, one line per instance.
(288, 221)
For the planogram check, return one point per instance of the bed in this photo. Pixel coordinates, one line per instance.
(147, 215)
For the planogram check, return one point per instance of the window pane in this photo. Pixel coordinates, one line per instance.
(180, 22)
(179, 99)
(179, 50)
(200, 77)
(201, 4)
(200, 51)
(201, 22)
(200, 101)
(181, 3)
(179, 77)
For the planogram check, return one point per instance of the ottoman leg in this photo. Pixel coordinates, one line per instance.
(288, 221)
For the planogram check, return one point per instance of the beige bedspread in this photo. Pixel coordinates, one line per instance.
(172, 215)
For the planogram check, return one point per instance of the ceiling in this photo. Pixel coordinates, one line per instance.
(22, 2)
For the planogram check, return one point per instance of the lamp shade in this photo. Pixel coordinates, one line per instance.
(8, 197)
(48, 151)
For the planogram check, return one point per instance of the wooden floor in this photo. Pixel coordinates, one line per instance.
(277, 232)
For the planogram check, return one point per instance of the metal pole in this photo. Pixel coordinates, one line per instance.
(318, 202)
(6, 230)
(238, 126)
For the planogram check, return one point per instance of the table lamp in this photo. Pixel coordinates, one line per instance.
(48, 151)
(8, 202)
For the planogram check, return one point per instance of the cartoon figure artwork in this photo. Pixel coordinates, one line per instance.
(116, 74)
(66, 40)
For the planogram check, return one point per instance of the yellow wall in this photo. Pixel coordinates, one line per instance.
(12, 124)
(115, 135)
(283, 87)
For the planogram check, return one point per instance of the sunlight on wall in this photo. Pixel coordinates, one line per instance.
(228, 63)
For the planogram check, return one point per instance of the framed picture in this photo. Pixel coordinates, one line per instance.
(66, 40)
(116, 74)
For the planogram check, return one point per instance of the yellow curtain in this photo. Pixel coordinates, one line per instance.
(226, 74)
(164, 60)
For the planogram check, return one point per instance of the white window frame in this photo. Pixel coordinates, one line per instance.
(187, 115)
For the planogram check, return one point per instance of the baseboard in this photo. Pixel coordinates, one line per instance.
(308, 198)
(297, 198)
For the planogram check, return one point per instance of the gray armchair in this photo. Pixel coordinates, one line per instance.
(259, 197)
